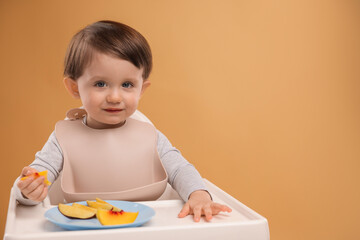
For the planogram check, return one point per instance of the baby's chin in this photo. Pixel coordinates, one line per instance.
(98, 124)
(113, 124)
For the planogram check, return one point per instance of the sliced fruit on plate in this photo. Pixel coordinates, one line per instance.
(115, 209)
(109, 217)
(100, 200)
(94, 210)
(102, 205)
(38, 174)
(76, 211)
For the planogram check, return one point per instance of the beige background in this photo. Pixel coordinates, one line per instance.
(261, 96)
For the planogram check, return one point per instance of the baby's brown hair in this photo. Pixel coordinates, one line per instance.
(107, 37)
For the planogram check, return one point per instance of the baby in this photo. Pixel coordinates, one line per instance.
(101, 150)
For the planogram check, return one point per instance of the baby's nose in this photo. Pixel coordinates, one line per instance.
(114, 97)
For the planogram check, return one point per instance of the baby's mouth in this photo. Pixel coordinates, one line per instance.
(113, 110)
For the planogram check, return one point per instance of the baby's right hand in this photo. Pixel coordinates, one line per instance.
(32, 188)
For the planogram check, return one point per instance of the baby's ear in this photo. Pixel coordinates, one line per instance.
(145, 85)
(72, 87)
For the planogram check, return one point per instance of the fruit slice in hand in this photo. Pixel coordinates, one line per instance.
(76, 212)
(109, 217)
(102, 205)
(38, 174)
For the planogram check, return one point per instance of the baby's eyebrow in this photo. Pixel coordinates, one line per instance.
(103, 78)
(130, 79)
(96, 78)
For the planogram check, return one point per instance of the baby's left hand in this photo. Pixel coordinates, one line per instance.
(199, 204)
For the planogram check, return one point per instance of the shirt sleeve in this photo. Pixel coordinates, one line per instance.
(50, 158)
(182, 175)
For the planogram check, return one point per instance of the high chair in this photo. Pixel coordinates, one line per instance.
(28, 222)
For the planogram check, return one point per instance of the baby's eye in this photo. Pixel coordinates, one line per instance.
(127, 85)
(100, 84)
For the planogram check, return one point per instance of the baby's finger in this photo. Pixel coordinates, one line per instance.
(36, 193)
(22, 184)
(208, 213)
(226, 209)
(26, 171)
(33, 185)
(197, 213)
(43, 194)
(217, 208)
(184, 211)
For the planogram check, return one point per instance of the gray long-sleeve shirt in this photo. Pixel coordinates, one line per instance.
(182, 175)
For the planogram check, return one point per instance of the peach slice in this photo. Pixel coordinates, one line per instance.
(115, 209)
(94, 210)
(38, 174)
(100, 200)
(76, 212)
(102, 205)
(109, 217)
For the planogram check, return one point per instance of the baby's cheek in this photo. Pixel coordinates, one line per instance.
(133, 101)
(91, 100)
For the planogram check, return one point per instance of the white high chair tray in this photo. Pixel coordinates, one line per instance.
(28, 222)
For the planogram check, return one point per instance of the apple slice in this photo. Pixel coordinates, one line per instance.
(109, 217)
(38, 174)
(102, 205)
(76, 212)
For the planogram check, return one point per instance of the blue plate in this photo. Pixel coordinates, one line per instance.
(56, 217)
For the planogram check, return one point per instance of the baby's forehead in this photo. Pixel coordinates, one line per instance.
(103, 64)
(98, 56)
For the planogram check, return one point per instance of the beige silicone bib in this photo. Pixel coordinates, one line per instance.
(120, 163)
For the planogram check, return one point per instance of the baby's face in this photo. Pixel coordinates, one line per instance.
(110, 89)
